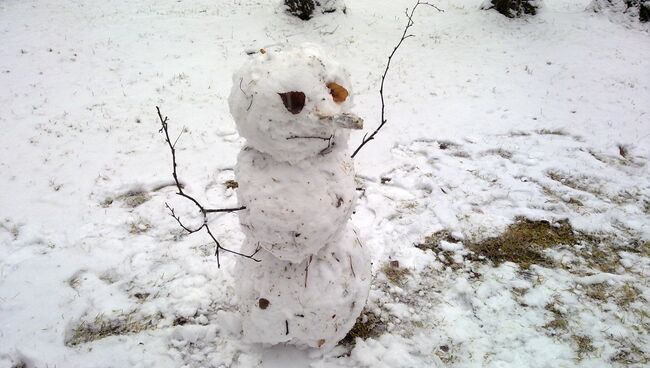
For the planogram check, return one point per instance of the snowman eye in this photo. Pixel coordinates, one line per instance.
(293, 101)
(339, 94)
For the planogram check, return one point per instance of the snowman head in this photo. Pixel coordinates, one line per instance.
(293, 104)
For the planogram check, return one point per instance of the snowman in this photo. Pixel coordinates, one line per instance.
(296, 181)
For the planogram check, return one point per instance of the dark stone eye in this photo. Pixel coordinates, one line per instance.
(293, 101)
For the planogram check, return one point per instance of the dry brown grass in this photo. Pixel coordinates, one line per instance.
(584, 345)
(523, 242)
(101, 327)
(367, 325)
(131, 199)
(551, 132)
(622, 296)
(432, 242)
(559, 322)
(499, 152)
(395, 274)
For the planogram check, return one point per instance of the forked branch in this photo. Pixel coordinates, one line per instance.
(409, 23)
(204, 211)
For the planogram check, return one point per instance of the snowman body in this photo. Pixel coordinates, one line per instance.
(296, 181)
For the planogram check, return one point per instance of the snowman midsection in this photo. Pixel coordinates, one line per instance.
(312, 303)
(292, 210)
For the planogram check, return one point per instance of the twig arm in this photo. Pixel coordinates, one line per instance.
(204, 211)
(409, 23)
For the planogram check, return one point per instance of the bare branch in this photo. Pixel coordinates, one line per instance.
(211, 210)
(405, 35)
(203, 210)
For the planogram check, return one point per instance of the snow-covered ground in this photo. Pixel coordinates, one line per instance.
(490, 120)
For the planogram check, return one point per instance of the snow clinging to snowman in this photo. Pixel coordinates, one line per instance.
(296, 181)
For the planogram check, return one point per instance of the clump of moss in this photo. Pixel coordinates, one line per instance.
(395, 274)
(523, 242)
(367, 325)
(102, 327)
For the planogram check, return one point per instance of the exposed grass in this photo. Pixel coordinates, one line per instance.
(499, 152)
(630, 355)
(395, 274)
(584, 345)
(551, 132)
(432, 242)
(578, 183)
(559, 322)
(367, 325)
(523, 242)
(597, 292)
(131, 199)
(139, 227)
(622, 296)
(599, 254)
(518, 133)
(446, 354)
(443, 145)
(101, 327)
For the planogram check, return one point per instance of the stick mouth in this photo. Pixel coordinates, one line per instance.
(345, 120)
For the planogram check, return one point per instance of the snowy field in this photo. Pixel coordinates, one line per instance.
(501, 133)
